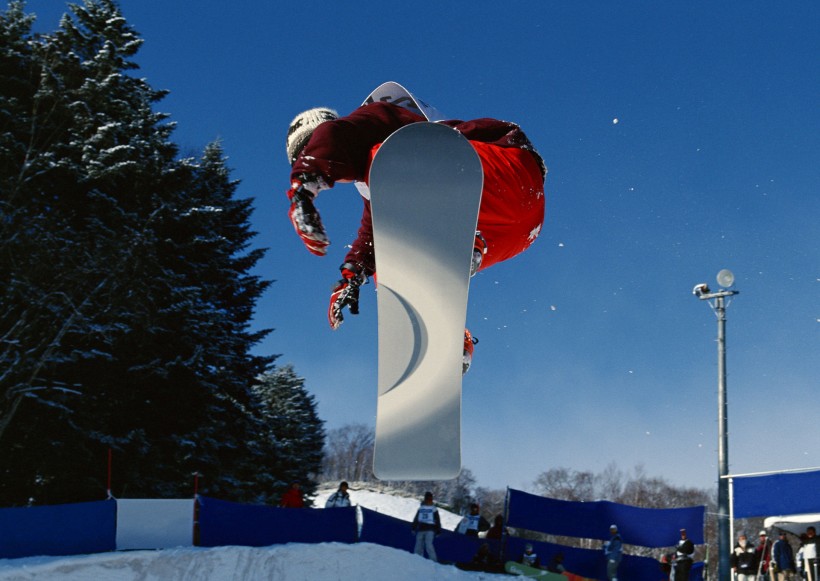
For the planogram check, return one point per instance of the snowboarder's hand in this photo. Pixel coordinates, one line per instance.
(345, 293)
(306, 220)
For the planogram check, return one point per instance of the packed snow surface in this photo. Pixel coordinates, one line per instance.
(292, 562)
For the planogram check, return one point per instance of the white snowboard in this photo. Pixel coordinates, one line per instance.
(425, 184)
(393, 92)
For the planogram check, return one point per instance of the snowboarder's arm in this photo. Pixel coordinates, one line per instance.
(361, 251)
(340, 149)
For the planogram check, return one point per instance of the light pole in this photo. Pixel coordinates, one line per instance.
(716, 300)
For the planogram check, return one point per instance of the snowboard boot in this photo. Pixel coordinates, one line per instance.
(469, 347)
(479, 250)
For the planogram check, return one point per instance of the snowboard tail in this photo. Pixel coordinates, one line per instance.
(425, 185)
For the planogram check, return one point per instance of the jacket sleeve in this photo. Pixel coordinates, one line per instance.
(361, 251)
(340, 149)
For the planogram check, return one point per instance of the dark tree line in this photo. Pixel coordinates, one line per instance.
(126, 288)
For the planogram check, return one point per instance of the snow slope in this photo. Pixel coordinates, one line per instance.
(291, 562)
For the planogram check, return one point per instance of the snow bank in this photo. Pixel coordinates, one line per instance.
(292, 562)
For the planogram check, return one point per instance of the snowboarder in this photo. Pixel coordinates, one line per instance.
(529, 557)
(473, 522)
(426, 525)
(324, 149)
(340, 498)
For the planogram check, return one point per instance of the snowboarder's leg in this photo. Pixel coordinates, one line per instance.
(419, 549)
(431, 550)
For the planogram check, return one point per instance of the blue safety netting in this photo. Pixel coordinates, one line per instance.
(646, 527)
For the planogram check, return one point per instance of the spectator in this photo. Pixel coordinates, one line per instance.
(762, 555)
(473, 522)
(340, 498)
(666, 565)
(426, 525)
(613, 549)
(293, 497)
(809, 547)
(684, 553)
(483, 560)
(782, 563)
(498, 529)
(556, 564)
(743, 560)
(530, 558)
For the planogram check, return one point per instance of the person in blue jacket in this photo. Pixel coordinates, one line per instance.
(613, 549)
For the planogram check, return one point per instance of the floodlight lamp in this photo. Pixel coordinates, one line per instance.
(700, 289)
(725, 278)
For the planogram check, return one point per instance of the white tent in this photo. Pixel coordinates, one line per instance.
(795, 523)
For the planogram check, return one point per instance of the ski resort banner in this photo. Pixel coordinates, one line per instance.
(645, 527)
(775, 493)
(231, 523)
(65, 529)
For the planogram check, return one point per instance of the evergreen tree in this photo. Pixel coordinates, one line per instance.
(127, 295)
(294, 435)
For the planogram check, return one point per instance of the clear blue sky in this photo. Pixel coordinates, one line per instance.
(592, 348)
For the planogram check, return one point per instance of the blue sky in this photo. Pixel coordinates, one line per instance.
(592, 348)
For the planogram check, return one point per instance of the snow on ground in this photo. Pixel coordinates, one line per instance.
(291, 562)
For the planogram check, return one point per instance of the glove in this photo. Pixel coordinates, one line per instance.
(305, 218)
(345, 293)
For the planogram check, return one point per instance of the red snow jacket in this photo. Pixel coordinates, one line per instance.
(512, 202)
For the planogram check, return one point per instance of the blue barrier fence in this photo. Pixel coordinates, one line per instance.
(83, 528)
(64, 529)
(231, 523)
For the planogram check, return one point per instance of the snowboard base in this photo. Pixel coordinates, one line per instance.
(425, 186)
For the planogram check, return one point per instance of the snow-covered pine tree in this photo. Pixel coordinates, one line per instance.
(293, 436)
(125, 306)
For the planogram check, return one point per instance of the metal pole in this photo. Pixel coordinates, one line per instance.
(724, 541)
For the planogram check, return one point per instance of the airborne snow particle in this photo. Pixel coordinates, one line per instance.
(615, 121)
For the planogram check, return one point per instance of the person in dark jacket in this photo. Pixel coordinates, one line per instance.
(684, 553)
(782, 564)
(426, 525)
(498, 529)
(473, 522)
(483, 560)
(743, 560)
(325, 149)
